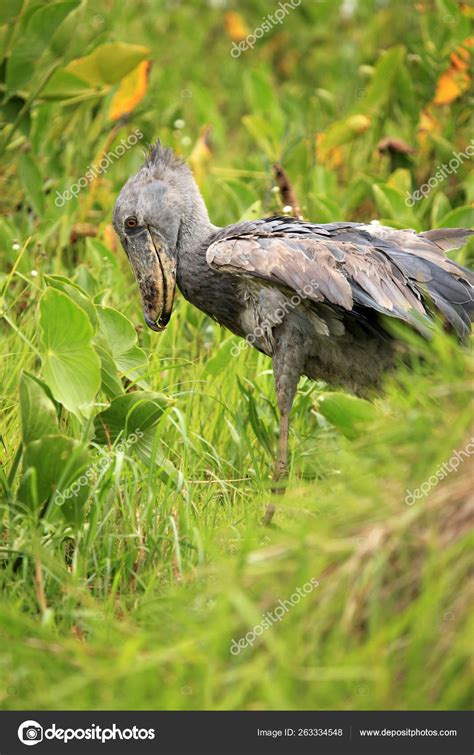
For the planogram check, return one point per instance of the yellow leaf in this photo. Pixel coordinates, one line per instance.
(358, 123)
(131, 91)
(201, 154)
(235, 26)
(450, 86)
(455, 80)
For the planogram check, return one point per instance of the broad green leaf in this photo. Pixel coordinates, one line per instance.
(145, 413)
(122, 338)
(108, 63)
(33, 38)
(71, 367)
(117, 329)
(32, 182)
(349, 414)
(38, 413)
(76, 293)
(51, 466)
(111, 383)
(134, 418)
(461, 217)
(138, 410)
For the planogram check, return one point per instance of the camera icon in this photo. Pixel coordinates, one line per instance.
(30, 732)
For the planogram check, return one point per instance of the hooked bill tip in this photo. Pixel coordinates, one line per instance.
(159, 324)
(152, 323)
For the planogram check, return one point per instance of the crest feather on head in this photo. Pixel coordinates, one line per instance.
(162, 158)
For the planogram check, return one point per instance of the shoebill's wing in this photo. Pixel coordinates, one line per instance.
(398, 273)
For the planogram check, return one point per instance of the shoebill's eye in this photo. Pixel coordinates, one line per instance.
(131, 222)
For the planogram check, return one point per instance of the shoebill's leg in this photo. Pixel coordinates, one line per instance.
(288, 363)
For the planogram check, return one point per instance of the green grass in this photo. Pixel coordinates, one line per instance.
(135, 602)
(138, 607)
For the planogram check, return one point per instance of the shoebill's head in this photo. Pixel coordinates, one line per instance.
(156, 209)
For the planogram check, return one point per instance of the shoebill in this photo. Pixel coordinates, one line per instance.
(312, 296)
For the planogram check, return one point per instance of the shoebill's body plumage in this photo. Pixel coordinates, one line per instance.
(311, 296)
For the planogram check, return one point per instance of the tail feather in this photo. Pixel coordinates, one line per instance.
(448, 238)
(435, 277)
(454, 297)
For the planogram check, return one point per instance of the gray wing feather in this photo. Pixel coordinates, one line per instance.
(349, 265)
